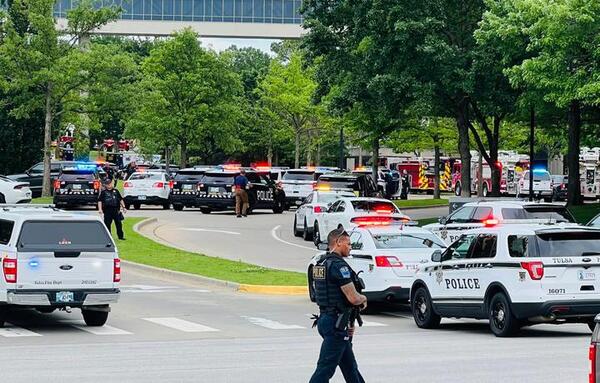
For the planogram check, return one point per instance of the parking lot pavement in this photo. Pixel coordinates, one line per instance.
(166, 331)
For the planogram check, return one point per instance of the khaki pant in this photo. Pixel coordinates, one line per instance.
(241, 202)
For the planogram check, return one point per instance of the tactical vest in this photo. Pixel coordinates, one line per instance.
(328, 295)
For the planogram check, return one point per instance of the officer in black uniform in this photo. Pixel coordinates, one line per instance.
(336, 293)
(111, 206)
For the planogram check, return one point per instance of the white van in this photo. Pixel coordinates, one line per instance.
(52, 260)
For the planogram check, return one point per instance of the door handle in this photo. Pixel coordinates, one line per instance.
(455, 267)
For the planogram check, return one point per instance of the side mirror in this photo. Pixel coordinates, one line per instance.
(443, 220)
(436, 256)
(323, 246)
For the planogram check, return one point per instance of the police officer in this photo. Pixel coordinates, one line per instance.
(240, 184)
(111, 206)
(405, 185)
(336, 293)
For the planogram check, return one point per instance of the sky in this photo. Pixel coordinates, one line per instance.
(220, 44)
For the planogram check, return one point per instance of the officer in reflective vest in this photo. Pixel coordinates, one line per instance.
(335, 294)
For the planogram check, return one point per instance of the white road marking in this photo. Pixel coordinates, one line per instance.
(398, 315)
(209, 230)
(373, 324)
(11, 331)
(181, 325)
(271, 324)
(96, 330)
(276, 237)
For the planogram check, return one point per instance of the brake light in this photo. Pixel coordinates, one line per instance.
(535, 269)
(171, 183)
(490, 222)
(127, 185)
(159, 185)
(96, 185)
(592, 356)
(9, 266)
(56, 184)
(200, 186)
(19, 187)
(387, 261)
(371, 221)
(117, 270)
(317, 209)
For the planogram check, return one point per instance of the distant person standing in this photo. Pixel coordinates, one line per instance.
(240, 184)
(405, 185)
(111, 207)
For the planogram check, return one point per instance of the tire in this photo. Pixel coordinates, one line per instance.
(311, 289)
(502, 321)
(205, 210)
(166, 206)
(316, 234)
(177, 207)
(127, 206)
(3, 315)
(484, 190)
(457, 190)
(94, 318)
(591, 325)
(306, 235)
(45, 310)
(422, 310)
(137, 205)
(297, 232)
(2, 198)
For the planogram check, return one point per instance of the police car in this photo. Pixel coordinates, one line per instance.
(298, 184)
(12, 191)
(216, 192)
(77, 185)
(52, 260)
(184, 188)
(386, 256)
(316, 203)
(352, 211)
(147, 188)
(542, 184)
(512, 275)
(474, 215)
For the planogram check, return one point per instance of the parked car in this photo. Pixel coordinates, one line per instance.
(35, 174)
(316, 203)
(12, 192)
(542, 185)
(362, 185)
(559, 187)
(147, 188)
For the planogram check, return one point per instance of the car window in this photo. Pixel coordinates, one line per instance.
(513, 213)
(462, 215)
(568, 244)
(226, 178)
(299, 176)
(331, 197)
(407, 241)
(37, 168)
(333, 207)
(374, 207)
(482, 213)
(484, 246)
(517, 245)
(341, 207)
(460, 248)
(64, 236)
(147, 176)
(6, 229)
(253, 178)
(595, 222)
(356, 240)
(188, 176)
(309, 198)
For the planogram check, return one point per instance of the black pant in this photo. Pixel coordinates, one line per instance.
(336, 350)
(111, 215)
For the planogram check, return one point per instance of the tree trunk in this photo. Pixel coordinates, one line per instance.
(183, 152)
(375, 158)
(270, 153)
(436, 169)
(297, 151)
(464, 149)
(574, 186)
(167, 158)
(318, 155)
(309, 159)
(47, 182)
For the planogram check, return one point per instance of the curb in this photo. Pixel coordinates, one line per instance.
(195, 278)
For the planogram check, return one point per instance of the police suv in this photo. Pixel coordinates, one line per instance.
(514, 276)
(77, 185)
(185, 188)
(478, 214)
(216, 191)
(52, 260)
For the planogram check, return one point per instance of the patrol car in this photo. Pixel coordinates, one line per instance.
(147, 188)
(52, 260)
(12, 191)
(594, 353)
(216, 191)
(542, 184)
(184, 188)
(348, 212)
(478, 214)
(316, 203)
(77, 185)
(298, 184)
(514, 276)
(386, 257)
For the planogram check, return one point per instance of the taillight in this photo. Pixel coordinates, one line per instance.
(56, 184)
(200, 186)
(127, 185)
(387, 261)
(171, 183)
(117, 270)
(535, 269)
(317, 209)
(159, 185)
(490, 222)
(9, 266)
(592, 356)
(19, 187)
(96, 185)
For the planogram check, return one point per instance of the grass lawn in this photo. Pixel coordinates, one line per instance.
(137, 248)
(42, 200)
(584, 213)
(421, 202)
(427, 221)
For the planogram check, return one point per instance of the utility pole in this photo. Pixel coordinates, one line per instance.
(531, 149)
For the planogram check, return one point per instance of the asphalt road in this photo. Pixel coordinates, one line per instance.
(263, 238)
(166, 331)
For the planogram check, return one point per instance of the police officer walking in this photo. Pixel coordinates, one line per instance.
(240, 184)
(336, 294)
(111, 206)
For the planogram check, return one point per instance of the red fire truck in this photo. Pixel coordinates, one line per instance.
(421, 174)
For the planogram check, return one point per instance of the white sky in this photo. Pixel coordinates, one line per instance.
(220, 44)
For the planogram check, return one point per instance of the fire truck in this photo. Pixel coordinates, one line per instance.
(421, 174)
(589, 167)
(113, 150)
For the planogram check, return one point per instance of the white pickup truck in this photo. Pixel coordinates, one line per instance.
(52, 260)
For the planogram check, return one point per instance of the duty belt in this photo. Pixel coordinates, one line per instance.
(329, 310)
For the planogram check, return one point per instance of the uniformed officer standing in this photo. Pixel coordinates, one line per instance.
(240, 184)
(335, 294)
(111, 206)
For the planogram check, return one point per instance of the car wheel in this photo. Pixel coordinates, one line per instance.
(178, 207)
(297, 232)
(592, 325)
(166, 206)
(94, 318)
(127, 206)
(45, 310)
(3, 316)
(422, 309)
(306, 235)
(137, 206)
(457, 190)
(316, 234)
(502, 321)
(205, 210)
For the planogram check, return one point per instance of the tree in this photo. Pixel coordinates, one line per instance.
(188, 97)
(43, 66)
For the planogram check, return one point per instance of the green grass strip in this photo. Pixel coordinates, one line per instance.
(137, 248)
(584, 213)
(429, 202)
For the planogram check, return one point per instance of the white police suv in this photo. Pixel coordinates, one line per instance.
(478, 214)
(52, 260)
(316, 203)
(513, 275)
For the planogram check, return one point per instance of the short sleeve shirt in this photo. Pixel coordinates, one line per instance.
(240, 182)
(110, 199)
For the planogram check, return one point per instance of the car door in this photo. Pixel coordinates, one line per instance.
(302, 212)
(326, 219)
(478, 273)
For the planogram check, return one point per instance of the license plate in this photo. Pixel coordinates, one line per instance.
(64, 297)
(298, 203)
(584, 275)
(214, 190)
(77, 187)
(187, 187)
(142, 197)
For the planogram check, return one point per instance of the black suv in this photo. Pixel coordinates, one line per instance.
(77, 185)
(35, 175)
(185, 188)
(361, 184)
(215, 191)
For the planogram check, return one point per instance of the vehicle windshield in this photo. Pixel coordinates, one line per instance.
(549, 213)
(299, 176)
(64, 236)
(568, 244)
(146, 176)
(538, 176)
(374, 207)
(188, 176)
(331, 197)
(218, 179)
(407, 241)
(337, 182)
(74, 175)
(595, 222)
